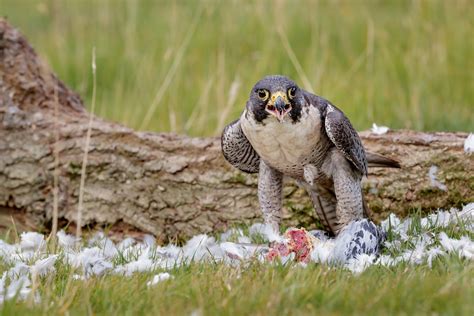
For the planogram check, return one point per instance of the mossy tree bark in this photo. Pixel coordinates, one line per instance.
(172, 185)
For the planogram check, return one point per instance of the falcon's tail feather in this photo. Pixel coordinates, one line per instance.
(377, 160)
(367, 212)
(324, 203)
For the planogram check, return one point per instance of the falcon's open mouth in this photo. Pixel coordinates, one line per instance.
(278, 105)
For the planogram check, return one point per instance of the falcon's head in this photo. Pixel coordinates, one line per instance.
(276, 97)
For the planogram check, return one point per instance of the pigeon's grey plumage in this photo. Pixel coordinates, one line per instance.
(358, 237)
(287, 131)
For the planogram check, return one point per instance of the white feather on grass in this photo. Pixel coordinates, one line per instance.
(433, 179)
(140, 265)
(464, 246)
(360, 263)
(157, 278)
(66, 240)
(32, 241)
(143, 263)
(234, 251)
(19, 283)
(44, 266)
(266, 232)
(379, 130)
(469, 144)
(322, 253)
(7, 252)
(149, 240)
(202, 247)
(433, 253)
(412, 241)
(90, 260)
(125, 244)
(387, 261)
(19, 287)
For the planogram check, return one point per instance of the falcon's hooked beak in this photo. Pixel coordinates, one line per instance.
(278, 105)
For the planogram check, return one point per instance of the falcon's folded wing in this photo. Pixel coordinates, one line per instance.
(237, 149)
(343, 135)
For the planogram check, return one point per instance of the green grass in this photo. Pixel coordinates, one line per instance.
(447, 289)
(405, 64)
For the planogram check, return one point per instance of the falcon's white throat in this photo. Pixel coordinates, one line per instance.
(284, 145)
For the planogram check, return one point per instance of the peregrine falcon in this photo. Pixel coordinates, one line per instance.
(287, 131)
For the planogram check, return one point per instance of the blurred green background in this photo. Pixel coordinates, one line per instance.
(188, 66)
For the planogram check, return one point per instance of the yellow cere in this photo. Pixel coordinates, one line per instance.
(279, 94)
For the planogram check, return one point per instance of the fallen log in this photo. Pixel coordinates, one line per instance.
(170, 185)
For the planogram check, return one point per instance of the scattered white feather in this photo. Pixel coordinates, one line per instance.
(108, 248)
(96, 238)
(133, 252)
(244, 240)
(439, 219)
(2, 288)
(143, 263)
(360, 263)
(170, 251)
(44, 266)
(19, 283)
(414, 256)
(91, 260)
(149, 240)
(320, 235)
(464, 246)
(78, 277)
(66, 240)
(19, 288)
(432, 254)
(196, 312)
(234, 251)
(20, 269)
(169, 257)
(202, 247)
(323, 252)
(290, 258)
(7, 251)
(467, 212)
(379, 130)
(105, 244)
(266, 232)
(386, 261)
(469, 144)
(411, 242)
(392, 222)
(125, 244)
(434, 181)
(157, 278)
(231, 233)
(394, 245)
(31, 241)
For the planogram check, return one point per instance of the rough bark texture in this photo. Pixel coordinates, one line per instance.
(171, 185)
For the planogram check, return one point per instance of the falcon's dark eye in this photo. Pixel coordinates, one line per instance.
(292, 92)
(263, 94)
